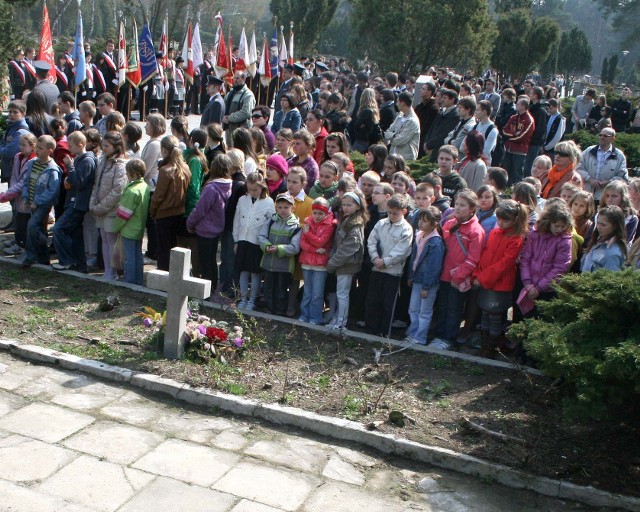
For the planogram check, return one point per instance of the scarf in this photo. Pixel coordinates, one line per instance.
(273, 185)
(554, 177)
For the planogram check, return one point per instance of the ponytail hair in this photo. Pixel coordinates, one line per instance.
(432, 215)
(509, 209)
(198, 140)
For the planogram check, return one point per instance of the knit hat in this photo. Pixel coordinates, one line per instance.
(278, 163)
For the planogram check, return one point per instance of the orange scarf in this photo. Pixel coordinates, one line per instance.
(553, 178)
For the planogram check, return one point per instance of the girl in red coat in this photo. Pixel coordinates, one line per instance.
(496, 272)
(315, 248)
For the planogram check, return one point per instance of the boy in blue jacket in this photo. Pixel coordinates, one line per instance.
(68, 236)
(40, 192)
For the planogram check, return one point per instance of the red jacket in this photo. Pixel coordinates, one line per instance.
(518, 132)
(497, 268)
(457, 265)
(62, 150)
(319, 236)
(318, 151)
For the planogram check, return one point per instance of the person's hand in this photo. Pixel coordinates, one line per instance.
(378, 263)
(424, 294)
(272, 249)
(476, 282)
(410, 283)
(67, 160)
(67, 185)
(533, 293)
(32, 206)
(305, 228)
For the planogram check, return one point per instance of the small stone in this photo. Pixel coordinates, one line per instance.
(351, 361)
(427, 485)
(267, 385)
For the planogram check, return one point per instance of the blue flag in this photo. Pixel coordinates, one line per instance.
(80, 64)
(148, 64)
(273, 56)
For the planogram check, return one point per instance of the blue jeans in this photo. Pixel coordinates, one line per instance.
(450, 310)
(133, 261)
(37, 249)
(421, 312)
(227, 261)
(68, 238)
(313, 297)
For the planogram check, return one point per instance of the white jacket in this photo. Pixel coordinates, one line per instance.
(250, 217)
(404, 136)
(392, 243)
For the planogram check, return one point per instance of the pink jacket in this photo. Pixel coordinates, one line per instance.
(319, 236)
(17, 182)
(457, 265)
(545, 258)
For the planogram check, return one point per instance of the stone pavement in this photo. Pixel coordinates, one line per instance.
(72, 443)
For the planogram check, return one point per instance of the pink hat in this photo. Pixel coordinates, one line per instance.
(278, 163)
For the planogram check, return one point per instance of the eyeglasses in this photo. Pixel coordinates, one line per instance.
(602, 136)
(561, 153)
(256, 116)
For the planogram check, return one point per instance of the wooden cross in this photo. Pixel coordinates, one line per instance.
(179, 286)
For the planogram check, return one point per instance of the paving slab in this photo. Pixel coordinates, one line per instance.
(338, 469)
(191, 426)
(189, 462)
(94, 483)
(166, 494)
(134, 409)
(13, 379)
(122, 444)
(339, 497)
(46, 422)
(230, 439)
(88, 397)
(10, 402)
(265, 484)
(252, 506)
(16, 498)
(25, 460)
(291, 452)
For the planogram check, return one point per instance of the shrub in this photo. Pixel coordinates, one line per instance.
(358, 161)
(422, 167)
(590, 336)
(628, 143)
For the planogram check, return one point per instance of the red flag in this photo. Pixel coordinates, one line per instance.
(229, 76)
(222, 58)
(46, 45)
(164, 49)
(187, 53)
(133, 73)
(265, 66)
(123, 65)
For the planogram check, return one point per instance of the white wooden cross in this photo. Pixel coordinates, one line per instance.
(179, 286)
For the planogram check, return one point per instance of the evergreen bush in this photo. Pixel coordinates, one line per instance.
(628, 143)
(589, 335)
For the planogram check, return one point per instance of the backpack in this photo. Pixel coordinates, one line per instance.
(497, 154)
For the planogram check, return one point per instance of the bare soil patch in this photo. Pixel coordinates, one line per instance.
(338, 377)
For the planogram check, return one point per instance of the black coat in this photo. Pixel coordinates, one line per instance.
(440, 128)
(213, 112)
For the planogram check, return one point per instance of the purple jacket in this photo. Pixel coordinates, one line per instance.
(207, 218)
(311, 168)
(544, 259)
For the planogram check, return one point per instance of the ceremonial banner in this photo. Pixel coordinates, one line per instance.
(265, 66)
(46, 45)
(164, 49)
(80, 68)
(291, 59)
(134, 74)
(273, 54)
(187, 54)
(283, 54)
(253, 55)
(222, 57)
(122, 57)
(196, 47)
(243, 52)
(148, 63)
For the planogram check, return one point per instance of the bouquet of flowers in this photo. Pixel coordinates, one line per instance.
(208, 339)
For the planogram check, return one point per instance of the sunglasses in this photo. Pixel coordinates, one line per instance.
(605, 136)
(256, 116)
(560, 153)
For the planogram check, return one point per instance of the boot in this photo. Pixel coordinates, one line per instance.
(488, 345)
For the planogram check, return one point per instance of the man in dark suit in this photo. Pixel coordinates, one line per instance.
(446, 120)
(109, 67)
(17, 75)
(287, 76)
(215, 109)
(49, 90)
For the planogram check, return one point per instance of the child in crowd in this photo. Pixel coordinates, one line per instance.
(583, 209)
(277, 171)
(440, 201)
(68, 236)
(345, 166)
(537, 186)
(487, 204)
(525, 194)
(255, 209)
(425, 266)
(302, 146)
(132, 218)
(496, 272)
(634, 193)
(279, 241)
(567, 191)
(215, 143)
(327, 183)
(27, 145)
(334, 143)
(541, 166)
(207, 218)
(40, 193)
(296, 181)
(616, 193)
(498, 178)
(132, 133)
(347, 252)
(392, 165)
(367, 182)
(389, 246)
(608, 246)
(452, 182)
(315, 246)
(546, 256)
(401, 183)
(464, 239)
(425, 196)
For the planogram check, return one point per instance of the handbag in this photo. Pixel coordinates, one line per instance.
(117, 254)
(492, 301)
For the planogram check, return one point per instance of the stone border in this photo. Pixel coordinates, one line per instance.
(282, 319)
(326, 426)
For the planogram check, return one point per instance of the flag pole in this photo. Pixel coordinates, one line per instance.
(166, 61)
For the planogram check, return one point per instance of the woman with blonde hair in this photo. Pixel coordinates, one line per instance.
(364, 129)
(168, 202)
(566, 159)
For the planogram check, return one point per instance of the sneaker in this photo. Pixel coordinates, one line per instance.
(92, 262)
(58, 266)
(439, 344)
(327, 317)
(399, 324)
(149, 261)
(242, 304)
(361, 324)
(9, 243)
(250, 305)
(14, 250)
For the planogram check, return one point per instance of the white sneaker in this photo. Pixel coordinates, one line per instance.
(399, 324)
(242, 304)
(250, 305)
(439, 344)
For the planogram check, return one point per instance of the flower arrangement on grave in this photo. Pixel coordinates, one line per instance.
(206, 339)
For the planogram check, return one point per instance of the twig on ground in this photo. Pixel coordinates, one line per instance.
(474, 427)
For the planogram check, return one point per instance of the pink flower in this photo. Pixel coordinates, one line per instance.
(202, 329)
(148, 322)
(238, 342)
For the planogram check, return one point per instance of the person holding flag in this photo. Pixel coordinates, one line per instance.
(108, 66)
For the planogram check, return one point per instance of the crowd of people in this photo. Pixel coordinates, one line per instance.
(268, 198)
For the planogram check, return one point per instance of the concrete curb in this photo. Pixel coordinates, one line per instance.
(377, 340)
(331, 427)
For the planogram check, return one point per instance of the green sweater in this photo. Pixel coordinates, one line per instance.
(131, 216)
(195, 185)
(329, 193)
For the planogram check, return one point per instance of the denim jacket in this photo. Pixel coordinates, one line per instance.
(47, 187)
(429, 267)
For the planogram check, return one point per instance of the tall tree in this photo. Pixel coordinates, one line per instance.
(604, 74)
(574, 55)
(10, 28)
(625, 15)
(410, 34)
(310, 17)
(523, 43)
(613, 69)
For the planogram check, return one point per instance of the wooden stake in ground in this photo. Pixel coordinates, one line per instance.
(179, 286)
